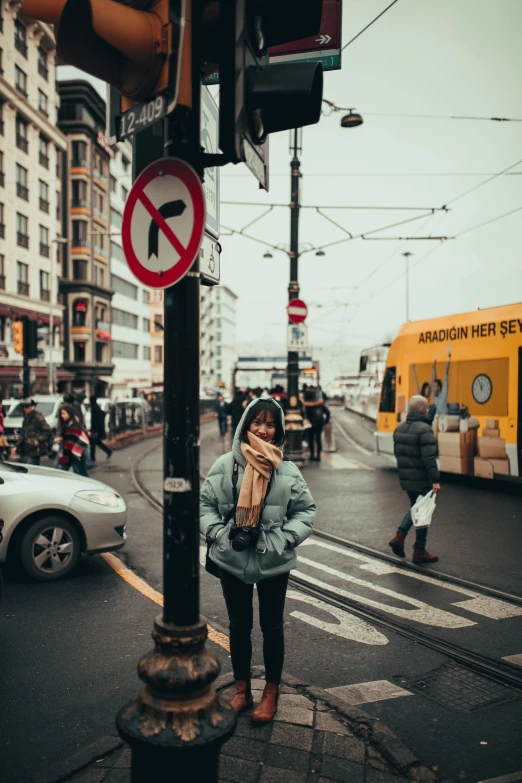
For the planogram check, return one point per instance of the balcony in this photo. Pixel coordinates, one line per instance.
(45, 295)
(103, 330)
(45, 250)
(2, 230)
(21, 90)
(100, 177)
(21, 46)
(2, 282)
(23, 288)
(100, 214)
(22, 239)
(99, 251)
(43, 70)
(2, 179)
(22, 191)
(79, 202)
(44, 205)
(44, 160)
(78, 163)
(22, 143)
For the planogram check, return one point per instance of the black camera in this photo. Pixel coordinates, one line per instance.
(243, 537)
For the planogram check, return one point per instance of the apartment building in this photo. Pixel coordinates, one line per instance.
(32, 150)
(130, 308)
(156, 333)
(86, 274)
(225, 341)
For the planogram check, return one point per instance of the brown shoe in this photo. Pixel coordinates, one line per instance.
(397, 544)
(421, 555)
(267, 707)
(242, 698)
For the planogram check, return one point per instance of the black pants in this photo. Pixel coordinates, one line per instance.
(97, 441)
(314, 441)
(239, 600)
(421, 533)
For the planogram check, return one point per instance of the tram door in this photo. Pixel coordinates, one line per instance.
(519, 413)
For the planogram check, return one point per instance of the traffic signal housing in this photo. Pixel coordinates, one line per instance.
(30, 339)
(257, 98)
(126, 43)
(18, 336)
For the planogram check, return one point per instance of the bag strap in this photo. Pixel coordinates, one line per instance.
(232, 511)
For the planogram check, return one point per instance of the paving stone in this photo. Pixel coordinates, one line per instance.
(379, 765)
(238, 770)
(257, 685)
(344, 747)
(275, 775)
(296, 715)
(287, 758)
(342, 770)
(245, 748)
(375, 776)
(292, 736)
(291, 700)
(118, 776)
(326, 721)
(322, 707)
(245, 728)
(287, 689)
(90, 775)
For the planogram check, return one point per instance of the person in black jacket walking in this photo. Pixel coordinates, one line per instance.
(98, 433)
(416, 453)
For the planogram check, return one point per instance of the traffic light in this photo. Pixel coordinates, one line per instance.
(126, 43)
(30, 338)
(256, 98)
(18, 336)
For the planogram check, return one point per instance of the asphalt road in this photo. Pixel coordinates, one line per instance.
(70, 649)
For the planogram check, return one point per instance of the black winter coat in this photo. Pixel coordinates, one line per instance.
(416, 452)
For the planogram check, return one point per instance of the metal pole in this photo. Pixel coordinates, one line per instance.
(51, 319)
(293, 418)
(407, 260)
(26, 380)
(177, 724)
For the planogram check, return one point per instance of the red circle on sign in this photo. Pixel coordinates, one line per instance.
(297, 311)
(186, 174)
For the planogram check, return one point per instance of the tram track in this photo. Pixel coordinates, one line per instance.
(500, 671)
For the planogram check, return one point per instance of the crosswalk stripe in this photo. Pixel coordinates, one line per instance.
(366, 692)
(513, 659)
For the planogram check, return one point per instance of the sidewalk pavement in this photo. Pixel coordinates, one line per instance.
(314, 738)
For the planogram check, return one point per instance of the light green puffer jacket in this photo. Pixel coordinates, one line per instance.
(285, 523)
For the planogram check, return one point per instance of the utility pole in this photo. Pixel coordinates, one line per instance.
(407, 260)
(26, 371)
(293, 418)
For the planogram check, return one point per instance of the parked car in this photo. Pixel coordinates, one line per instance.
(48, 405)
(8, 403)
(49, 518)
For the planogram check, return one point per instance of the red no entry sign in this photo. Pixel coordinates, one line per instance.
(163, 222)
(297, 311)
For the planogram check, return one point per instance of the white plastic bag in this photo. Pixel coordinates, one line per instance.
(422, 511)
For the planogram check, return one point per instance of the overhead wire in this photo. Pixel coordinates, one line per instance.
(368, 25)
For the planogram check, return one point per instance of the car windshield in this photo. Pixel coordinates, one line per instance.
(12, 467)
(45, 408)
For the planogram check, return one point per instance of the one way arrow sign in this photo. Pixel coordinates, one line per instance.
(324, 39)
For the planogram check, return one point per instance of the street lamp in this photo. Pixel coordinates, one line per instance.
(350, 120)
(57, 241)
(407, 255)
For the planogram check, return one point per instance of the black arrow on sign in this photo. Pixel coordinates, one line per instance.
(169, 210)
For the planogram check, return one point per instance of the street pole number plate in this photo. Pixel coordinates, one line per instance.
(142, 115)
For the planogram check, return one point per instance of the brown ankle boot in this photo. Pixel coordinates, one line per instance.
(267, 707)
(242, 698)
(397, 544)
(421, 555)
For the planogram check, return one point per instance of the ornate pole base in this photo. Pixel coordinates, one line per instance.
(177, 724)
(294, 437)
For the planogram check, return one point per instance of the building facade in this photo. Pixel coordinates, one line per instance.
(156, 334)
(225, 341)
(130, 308)
(32, 149)
(86, 276)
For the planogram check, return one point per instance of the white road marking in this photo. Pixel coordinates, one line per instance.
(422, 613)
(338, 462)
(348, 626)
(365, 692)
(352, 441)
(514, 659)
(485, 606)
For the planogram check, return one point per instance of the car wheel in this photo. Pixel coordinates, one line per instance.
(50, 549)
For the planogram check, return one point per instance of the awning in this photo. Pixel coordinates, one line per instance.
(105, 378)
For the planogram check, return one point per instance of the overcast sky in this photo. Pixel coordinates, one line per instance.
(421, 57)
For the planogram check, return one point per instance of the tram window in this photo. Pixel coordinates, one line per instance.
(388, 391)
(363, 363)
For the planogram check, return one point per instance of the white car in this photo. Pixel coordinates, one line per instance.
(49, 518)
(47, 404)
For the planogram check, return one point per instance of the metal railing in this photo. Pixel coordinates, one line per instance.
(2, 282)
(22, 191)
(22, 239)
(21, 143)
(44, 160)
(43, 70)
(44, 205)
(45, 250)
(23, 288)
(21, 46)
(45, 295)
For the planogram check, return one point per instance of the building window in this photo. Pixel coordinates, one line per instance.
(59, 156)
(58, 205)
(21, 81)
(114, 183)
(120, 286)
(22, 230)
(145, 295)
(218, 337)
(101, 350)
(43, 152)
(2, 224)
(79, 193)
(45, 249)
(80, 313)
(2, 273)
(122, 318)
(118, 254)
(218, 364)
(42, 63)
(146, 353)
(122, 350)
(99, 276)
(79, 154)
(21, 182)
(1, 61)
(2, 174)
(158, 354)
(115, 218)
(79, 352)
(158, 295)
(99, 204)
(45, 292)
(158, 323)
(43, 104)
(20, 37)
(21, 133)
(22, 277)
(43, 194)
(125, 163)
(79, 269)
(1, 116)
(99, 243)
(79, 233)
(146, 324)
(3, 330)
(124, 193)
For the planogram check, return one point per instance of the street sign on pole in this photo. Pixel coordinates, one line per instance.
(163, 222)
(297, 337)
(297, 311)
(209, 261)
(210, 142)
(325, 47)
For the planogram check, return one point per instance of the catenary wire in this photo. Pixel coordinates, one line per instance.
(368, 25)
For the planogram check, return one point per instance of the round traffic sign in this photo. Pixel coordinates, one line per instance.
(297, 311)
(163, 222)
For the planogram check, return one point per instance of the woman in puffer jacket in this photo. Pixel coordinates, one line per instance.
(274, 513)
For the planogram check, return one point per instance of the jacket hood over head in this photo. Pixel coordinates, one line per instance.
(236, 445)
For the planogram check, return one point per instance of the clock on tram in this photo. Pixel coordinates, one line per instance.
(482, 388)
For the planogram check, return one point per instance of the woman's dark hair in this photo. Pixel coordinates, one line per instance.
(266, 408)
(73, 418)
(425, 389)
